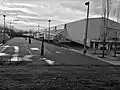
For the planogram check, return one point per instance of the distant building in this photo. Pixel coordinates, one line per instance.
(75, 31)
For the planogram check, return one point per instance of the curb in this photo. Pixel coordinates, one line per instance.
(107, 59)
(1, 44)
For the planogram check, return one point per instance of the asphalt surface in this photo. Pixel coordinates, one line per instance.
(18, 49)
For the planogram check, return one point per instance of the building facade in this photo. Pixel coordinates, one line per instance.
(75, 31)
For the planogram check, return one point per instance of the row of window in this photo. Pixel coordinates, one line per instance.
(63, 26)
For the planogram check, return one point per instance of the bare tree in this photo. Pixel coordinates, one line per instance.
(106, 5)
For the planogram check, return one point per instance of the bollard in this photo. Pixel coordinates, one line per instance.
(29, 41)
(25, 38)
(84, 52)
(3, 41)
(42, 47)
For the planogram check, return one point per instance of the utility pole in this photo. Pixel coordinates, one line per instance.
(86, 31)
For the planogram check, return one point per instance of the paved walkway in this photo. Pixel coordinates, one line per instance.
(108, 58)
(90, 52)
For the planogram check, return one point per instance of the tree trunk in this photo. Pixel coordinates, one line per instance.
(115, 49)
(103, 55)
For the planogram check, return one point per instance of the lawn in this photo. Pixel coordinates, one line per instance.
(44, 77)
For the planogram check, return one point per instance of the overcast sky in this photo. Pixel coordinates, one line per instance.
(30, 13)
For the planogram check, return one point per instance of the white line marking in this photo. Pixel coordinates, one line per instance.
(3, 54)
(16, 49)
(15, 59)
(58, 52)
(27, 57)
(28, 49)
(43, 58)
(34, 48)
(64, 48)
(6, 46)
(50, 62)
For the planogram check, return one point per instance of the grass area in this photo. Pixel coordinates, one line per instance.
(39, 77)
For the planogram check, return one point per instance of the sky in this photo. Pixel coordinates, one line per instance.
(28, 14)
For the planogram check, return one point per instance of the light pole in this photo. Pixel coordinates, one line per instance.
(49, 30)
(86, 31)
(38, 31)
(38, 27)
(10, 31)
(30, 37)
(4, 28)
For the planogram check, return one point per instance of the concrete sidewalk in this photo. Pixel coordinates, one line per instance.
(90, 52)
(108, 58)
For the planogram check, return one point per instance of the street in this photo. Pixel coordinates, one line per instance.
(18, 49)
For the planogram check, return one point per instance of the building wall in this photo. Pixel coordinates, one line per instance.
(115, 29)
(95, 29)
(76, 30)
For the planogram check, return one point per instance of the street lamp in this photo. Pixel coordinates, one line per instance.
(38, 31)
(38, 27)
(4, 29)
(49, 29)
(42, 45)
(10, 31)
(86, 31)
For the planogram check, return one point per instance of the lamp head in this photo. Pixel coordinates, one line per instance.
(49, 20)
(4, 15)
(87, 3)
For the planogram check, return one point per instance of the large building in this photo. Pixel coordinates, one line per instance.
(75, 31)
